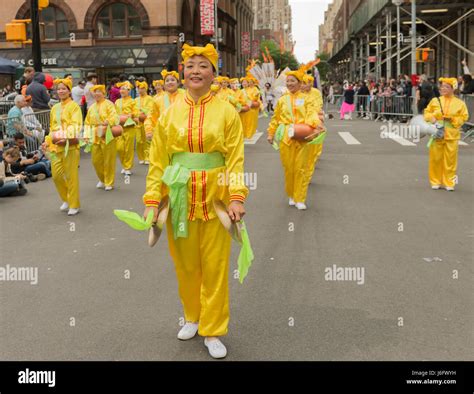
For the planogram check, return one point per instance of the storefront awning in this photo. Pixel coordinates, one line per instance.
(99, 57)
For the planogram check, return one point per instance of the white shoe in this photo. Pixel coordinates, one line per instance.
(188, 331)
(64, 207)
(100, 185)
(123, 171)
(73, 211)
(291, 202)
(141, 162)
(435, 187)
(109, 188)
(216, 348)
(450, 189)
(128, 172)
(147, 162)
(301, 206)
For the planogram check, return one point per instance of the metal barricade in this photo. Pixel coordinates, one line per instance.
(34, 126)
(468, 127)
(5, 106)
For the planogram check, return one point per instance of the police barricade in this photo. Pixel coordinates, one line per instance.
(5, 106)
(34, 126)
(468, 127)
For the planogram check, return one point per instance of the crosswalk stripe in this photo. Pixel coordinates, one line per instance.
(254, 139)
(402, 141)
(348, 138)
(463, 143)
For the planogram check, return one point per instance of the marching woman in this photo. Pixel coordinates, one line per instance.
(297, 156)
(158, 86)
(451, 113)
(162, 103)
(65, 127)
(308, 88)
(144, 103)
(252, 97)
(238, 100)
(197, 142)
(128, 115)
(99, 116)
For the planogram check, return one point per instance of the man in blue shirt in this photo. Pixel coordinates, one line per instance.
(15, 116)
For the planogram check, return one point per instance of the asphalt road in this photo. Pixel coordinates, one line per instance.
(407, 306)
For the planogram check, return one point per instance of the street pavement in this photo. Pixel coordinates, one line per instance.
(103, 294)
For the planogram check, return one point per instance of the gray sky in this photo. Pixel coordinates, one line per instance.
(307, 16)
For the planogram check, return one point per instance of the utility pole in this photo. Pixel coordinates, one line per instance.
(413, 52)
(36, 39)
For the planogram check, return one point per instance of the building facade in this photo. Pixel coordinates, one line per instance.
(360, 37)
(139, 37)
(272, 21)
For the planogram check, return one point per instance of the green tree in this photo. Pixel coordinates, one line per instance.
(323, 66)
(281, 59)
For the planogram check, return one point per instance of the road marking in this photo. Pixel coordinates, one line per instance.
(348, 138)
(397, 138)
(463, 143)
(254, 139)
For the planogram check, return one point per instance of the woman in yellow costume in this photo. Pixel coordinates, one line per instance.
(451, 113)
(197, 142)
(251, 95)
(158, 86)
(145, 104)
(238, 100)
(128, 115)
(163, 102)
(298, 157)
(63, 145)
(307, 87)
(100, 116)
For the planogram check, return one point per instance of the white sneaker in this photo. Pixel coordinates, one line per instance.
(301, 206)
(216, 348)
(291, 202)
(435, 187)
(100, 185)
(450, 189)
(109, 188)
(147, 162)
(73, 211)
(188, 331)
(123, 171)
(64, 207)
(128, 172)
(141, 162)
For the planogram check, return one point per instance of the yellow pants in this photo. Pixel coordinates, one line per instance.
(104, 158)
(250, 122)
(298, 161)
(65, 171)
(443, 162)
(126, 147)
(202, 263)
(319, 151)
(143, 145)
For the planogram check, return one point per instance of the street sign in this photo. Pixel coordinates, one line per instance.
(207, 18)
(419, 40)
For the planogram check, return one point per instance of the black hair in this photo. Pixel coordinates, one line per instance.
(19, 136)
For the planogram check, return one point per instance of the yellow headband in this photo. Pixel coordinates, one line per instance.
(98, 87)
(234, 80)
(450, 81)
(174, 74)
(141, 85)
(209, 52)
(298, 74)
(64, 81)
(157, 82)
(125, 85)
(308, 78)
(215, 88)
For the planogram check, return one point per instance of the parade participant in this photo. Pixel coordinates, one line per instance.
(254, 93)
(247, 118)
(215, 87)
(238, 97)
(225, 93)
(145, 105)
(452, 113)
(128, 115)
(99, 116)
(161, 103)
(307, 87)
(65, 129)
(210, 148)
(158, 86)
(297, 156)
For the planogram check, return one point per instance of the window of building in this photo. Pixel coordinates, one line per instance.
(118, 21)
(54, 24)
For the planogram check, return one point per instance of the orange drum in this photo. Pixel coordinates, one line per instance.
(117, 130)
(142, 117)
(123, 119)
(255, 104)
(300, 131)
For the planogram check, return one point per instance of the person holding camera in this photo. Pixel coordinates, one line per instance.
(10, 185)
(452, 113)
(32, 162)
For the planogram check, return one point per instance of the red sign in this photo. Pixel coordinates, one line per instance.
(372, 59)
(207, 18)
(246, 43)
(415, 80)
(255, 49)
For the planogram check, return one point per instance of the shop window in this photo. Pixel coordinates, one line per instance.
(118, 21)
(54, 24)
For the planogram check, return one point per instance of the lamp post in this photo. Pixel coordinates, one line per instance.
(36, 39)
(398, 3)
(413, 52)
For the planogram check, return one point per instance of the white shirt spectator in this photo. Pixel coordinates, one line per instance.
(77, 92)
(89, 98)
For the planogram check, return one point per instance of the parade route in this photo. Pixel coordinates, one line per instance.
(103, 294)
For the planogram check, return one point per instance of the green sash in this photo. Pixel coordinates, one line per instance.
(177, 175)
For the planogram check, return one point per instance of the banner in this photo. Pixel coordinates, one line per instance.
(246, 43)
(255, 49)
(207, 18)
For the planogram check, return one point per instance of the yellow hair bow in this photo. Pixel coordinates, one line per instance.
(157, 82)
(141, 85)
(209, 52)
(450, 81)
(64, 81)
(165, 73)
(125, 85)
(98, 87)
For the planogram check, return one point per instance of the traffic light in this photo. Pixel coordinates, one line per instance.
(43, 4)
(16, 32)
(424, 55)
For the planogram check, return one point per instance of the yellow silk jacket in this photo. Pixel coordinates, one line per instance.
(67, 117)
(98, 114)
(454, 109)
